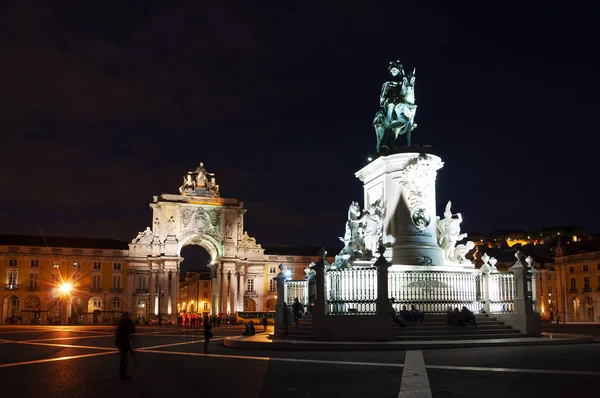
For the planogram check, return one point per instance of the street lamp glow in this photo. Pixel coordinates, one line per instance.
(65, 288)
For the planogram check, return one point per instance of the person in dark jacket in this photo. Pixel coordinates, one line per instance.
(208, 333)
(125, 329)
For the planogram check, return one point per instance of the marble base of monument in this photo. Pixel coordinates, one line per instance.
(404, 183)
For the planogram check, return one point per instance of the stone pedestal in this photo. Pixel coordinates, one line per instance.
(405, 182)
(281, 309)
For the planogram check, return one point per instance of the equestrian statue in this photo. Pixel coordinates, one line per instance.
(397, 108)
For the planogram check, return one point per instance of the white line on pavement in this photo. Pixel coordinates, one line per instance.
(415, 383)
(8, 365)
(514, 370)
(25, 342)
(275, 359)
(68, 338)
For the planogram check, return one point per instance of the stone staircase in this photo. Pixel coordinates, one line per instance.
(302, 332)
(436, 327)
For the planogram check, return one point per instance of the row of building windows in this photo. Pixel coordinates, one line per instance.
(584, 267)
(586, 285)
(12, 281)
(97, 266)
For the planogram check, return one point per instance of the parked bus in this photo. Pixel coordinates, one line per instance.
(255, 316)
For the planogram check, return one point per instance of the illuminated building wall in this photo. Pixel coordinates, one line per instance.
(578, 277)
(66, 283)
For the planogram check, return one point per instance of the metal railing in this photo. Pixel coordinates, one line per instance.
(501, 292)
(12, 286)
(296, 290)
(351, 291)
(116, 290)
(435, 291)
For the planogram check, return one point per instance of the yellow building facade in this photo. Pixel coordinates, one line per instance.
(65, 281)
(578, 285)
(195, 294)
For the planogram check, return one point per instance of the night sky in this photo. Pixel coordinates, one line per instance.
(104, 106)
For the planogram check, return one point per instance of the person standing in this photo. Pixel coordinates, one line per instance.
(264, 321)
(208, 333)
(123, 333)
(297, 308)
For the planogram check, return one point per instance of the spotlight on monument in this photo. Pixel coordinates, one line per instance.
(369, 159)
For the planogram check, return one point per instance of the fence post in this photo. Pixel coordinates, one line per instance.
(319, 309)
(526, 319)
(281, 310)
(382, 303)
(532, 276)
(383, 306)
(485, 286)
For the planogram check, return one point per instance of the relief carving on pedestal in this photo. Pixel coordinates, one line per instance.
(416, 179)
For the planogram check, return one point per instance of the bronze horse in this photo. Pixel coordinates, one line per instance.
(397, 113)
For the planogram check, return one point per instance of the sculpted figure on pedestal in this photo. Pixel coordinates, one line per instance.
(351, 233)
(213, 186)
(371, 227)
(228, 231)
(143, 237)
(448, 231)
(202, 175)
(397, 108)
(189, 183)
(172, 227)
(460, 251)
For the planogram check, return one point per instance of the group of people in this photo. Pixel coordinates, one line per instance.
(460, 317)
(454, 316)
(405, 315)
(189, 320)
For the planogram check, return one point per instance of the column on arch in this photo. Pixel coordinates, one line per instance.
(175, 292)
(241, 288)
(152, 286)
(226, 290)
(213, 291)
(259, 287)
(218, 291)
(131, 276)
(169, 292)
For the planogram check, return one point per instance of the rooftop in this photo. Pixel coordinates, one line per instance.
(63, 241)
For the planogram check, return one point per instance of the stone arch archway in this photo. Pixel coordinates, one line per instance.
(271, 304)
(198, 215)
(208, 243)
(141, 309)
(576, 308)
(10, 309)
(249, 305)
(32, 302)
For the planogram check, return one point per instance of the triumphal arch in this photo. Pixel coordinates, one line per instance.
(198, 215)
